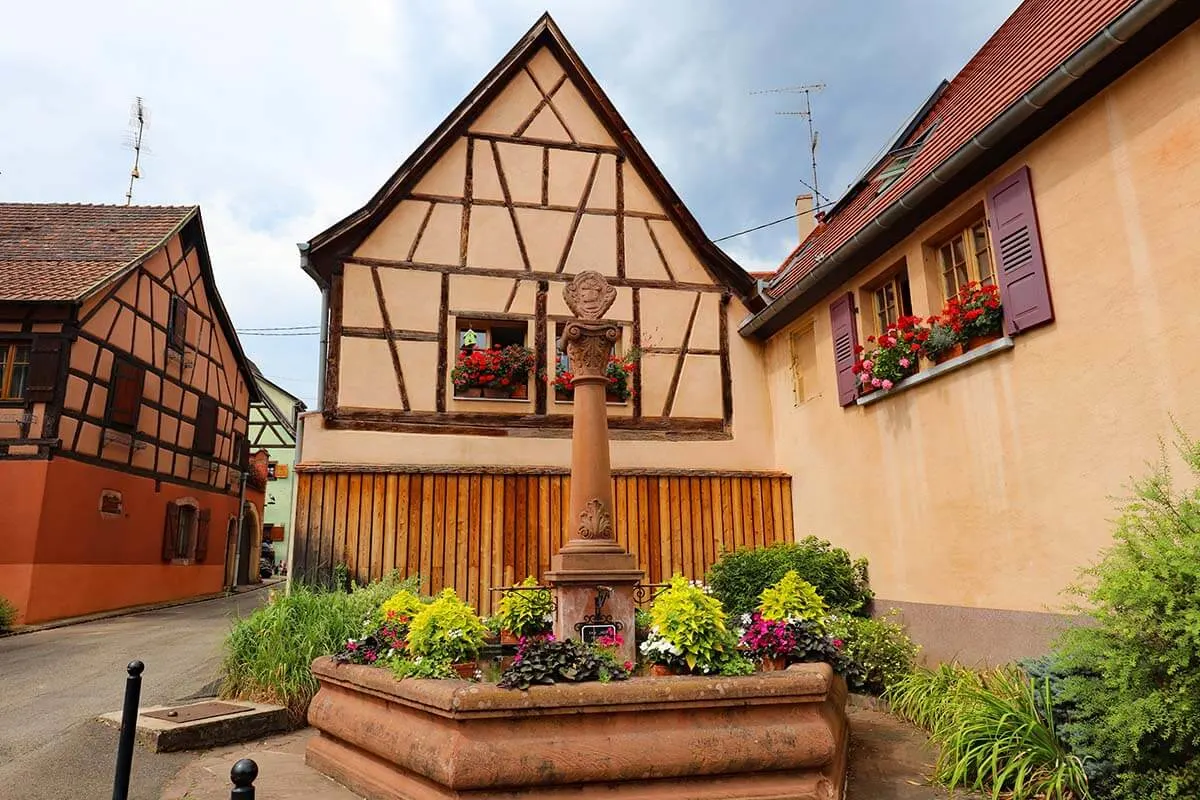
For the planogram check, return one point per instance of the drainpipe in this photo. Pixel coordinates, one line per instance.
(1108, 40)
(237, 558)
(295, 489)
(303, 247)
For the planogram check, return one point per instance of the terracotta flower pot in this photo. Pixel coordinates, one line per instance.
(508, 637)
(979, 341)
(946, 355)
(466, 669)
(662, 670)
(773, 664)
(469, 391)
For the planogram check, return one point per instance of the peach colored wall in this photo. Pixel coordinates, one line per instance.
(988, 487)
(564, 214)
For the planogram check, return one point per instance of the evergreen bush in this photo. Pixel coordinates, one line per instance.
(1129, 685)
(738, 578)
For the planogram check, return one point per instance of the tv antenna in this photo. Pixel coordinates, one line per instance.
(808, 90)
(139, 118)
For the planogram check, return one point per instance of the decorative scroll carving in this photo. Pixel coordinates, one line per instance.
(589, 296)
(594, 521)
(588, 345)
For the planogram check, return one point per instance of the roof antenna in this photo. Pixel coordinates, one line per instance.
(813, 136)
(139, 118)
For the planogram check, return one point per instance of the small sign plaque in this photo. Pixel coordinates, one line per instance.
(111, 504)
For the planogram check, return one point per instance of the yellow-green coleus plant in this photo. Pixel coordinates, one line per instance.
(793, 598)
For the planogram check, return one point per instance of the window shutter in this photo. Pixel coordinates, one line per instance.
(178, 323)
(125, 394)
(44, 361)
(845, 339)
(202, 535)
(170, 532)
(1020, 268)
(205, 439)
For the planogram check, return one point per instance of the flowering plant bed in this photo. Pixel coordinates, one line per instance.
(892, 357)
(620, 372)
(496, 372)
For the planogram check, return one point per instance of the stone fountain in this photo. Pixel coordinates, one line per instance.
(761, 737)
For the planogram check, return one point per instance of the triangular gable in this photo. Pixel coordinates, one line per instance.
(539, 92)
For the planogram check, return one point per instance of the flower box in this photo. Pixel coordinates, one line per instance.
(773, 664)
(974, 342)
(518, 391)
(949, 353)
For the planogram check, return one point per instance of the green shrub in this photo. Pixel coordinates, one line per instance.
(447, 630)
(995, 732)
(421, 668)
(401, 604)
(792, 597)
(527, 613)
(692, 626)
(268, 655)
(738, 578)
(878, 645)
(8, 613)
(1130, 684)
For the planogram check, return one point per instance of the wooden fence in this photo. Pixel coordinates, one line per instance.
(476, 530)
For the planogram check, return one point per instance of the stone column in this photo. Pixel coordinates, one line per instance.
(592, 564)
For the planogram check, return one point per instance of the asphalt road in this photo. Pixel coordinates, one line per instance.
(54, 683)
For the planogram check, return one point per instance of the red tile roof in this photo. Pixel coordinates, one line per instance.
(59, 252)
(1038, 36)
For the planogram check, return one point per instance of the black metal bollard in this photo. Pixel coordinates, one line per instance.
(243, 774)
(129, 713)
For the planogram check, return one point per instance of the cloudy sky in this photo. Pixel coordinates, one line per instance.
(280, 117)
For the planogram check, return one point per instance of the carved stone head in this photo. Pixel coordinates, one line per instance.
(589, 296)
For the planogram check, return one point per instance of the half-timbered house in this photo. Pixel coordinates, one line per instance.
(272, 428)
(124, 397)
(532, 179)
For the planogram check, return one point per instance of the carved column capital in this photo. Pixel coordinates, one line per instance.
(588, 345)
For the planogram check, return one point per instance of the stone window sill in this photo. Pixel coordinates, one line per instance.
(970, 357)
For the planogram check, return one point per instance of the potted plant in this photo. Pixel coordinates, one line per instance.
(525, 613)
(402, 604)
(792, 598)
(943, 343)
(687, 631)
(769, 641)
(494, 629)
(892, 357)
(979, 313)
(547, 661)
(447, 630)
(619, 372)
(501, 372)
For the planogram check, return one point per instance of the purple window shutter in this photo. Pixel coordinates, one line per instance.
(845, 340)
(1020, 268)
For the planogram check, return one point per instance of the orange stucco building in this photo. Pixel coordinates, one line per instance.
(1060, 164)
(123, 405)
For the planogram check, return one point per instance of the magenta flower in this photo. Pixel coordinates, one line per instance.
(886, 384)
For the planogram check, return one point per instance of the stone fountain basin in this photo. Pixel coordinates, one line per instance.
(762, 737)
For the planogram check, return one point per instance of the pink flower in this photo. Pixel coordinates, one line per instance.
(904, 362)
(868, 364)
(877, 383)
(838, 643)
(351, 645)
(628, 665)
(886, 384)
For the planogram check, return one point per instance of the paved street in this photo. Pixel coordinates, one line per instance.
(53, 683)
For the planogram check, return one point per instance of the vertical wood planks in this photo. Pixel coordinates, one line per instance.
(474, 531)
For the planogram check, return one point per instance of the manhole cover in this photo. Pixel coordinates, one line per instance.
(196, 711)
